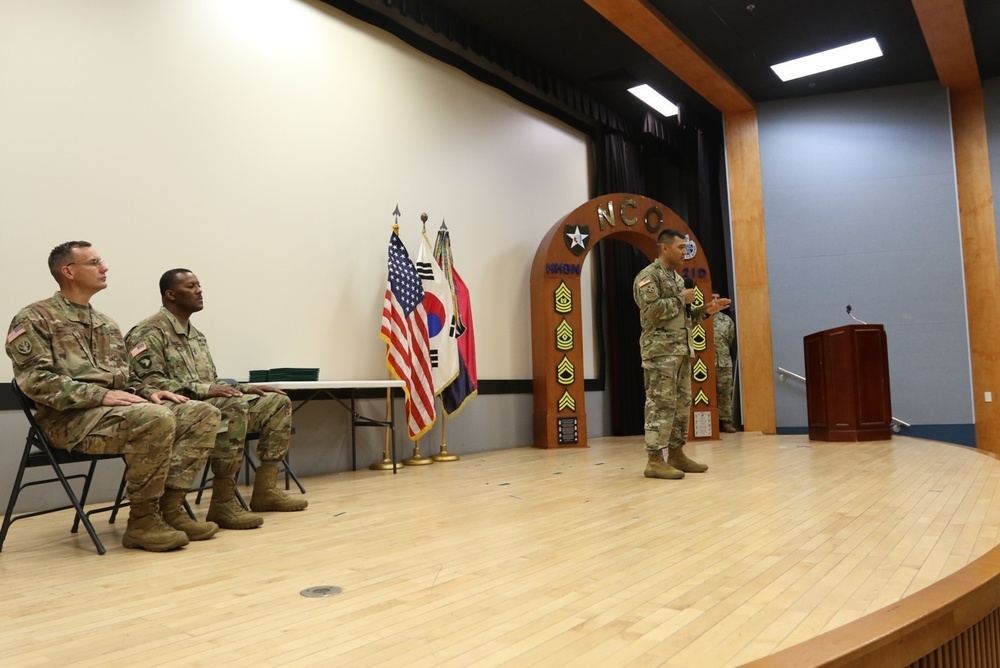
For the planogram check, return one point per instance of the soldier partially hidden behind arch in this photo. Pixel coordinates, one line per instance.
(666, 317)
(725, 337)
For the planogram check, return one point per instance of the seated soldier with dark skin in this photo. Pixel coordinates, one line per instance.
(168, 352)
(70, 359)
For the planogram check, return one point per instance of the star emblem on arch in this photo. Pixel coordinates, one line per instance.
(576, 237)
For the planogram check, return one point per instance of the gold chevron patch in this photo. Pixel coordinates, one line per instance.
(564, 336)
(564, 298)
(701, 398)
(699, 297)
(699, 371)
(567, 402)
(565, 372)
(699, 339)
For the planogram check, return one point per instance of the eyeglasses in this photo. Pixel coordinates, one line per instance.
(95, 263)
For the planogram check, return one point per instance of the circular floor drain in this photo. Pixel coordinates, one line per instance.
(321, 592)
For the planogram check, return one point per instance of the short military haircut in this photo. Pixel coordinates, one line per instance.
(668, 235)
(169, 279)
(60, 255)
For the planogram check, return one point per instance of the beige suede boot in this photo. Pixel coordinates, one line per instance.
(680, 461)
(226, 511)
(657, 468)
(146, 529)
(172, 507)
(267, 496)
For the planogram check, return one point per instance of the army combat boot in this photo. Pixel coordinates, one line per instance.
(267, 496)
(727, 427)
(174, 514)
(226, 511)
(657, 468)
(680, 461)
(146, 529)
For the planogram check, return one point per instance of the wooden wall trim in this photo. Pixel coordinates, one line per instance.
(746, 197)
(906, 632)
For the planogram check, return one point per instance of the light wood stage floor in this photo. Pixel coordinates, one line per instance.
(522, 557)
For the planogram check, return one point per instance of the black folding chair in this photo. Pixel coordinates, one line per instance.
(248, 464)
(39, 453)
(206, 483)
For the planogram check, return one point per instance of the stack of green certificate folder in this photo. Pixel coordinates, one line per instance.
(283, 374)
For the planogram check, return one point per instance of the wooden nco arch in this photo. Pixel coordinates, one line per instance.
(560, 413)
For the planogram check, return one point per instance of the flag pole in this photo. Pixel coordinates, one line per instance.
(443, 455)
(386, 464)
(419, 459)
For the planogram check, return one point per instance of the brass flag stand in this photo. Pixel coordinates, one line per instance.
(417, 459)
(444, 455)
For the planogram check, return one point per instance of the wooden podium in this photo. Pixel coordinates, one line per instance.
(847, 384)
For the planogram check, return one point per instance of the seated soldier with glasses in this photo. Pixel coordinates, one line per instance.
(70, 359)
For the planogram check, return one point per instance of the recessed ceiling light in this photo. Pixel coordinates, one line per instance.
(654, 99)
(828, 60)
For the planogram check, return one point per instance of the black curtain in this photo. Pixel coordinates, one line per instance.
(619, 169)
(679, 165)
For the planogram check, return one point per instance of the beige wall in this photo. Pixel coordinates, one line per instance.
(264, 144)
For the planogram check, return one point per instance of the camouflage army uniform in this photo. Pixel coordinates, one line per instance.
(171, 356)
(665, 348)
(66, 357)
(725, 335)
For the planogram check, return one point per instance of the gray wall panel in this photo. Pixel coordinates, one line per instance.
(861, 209)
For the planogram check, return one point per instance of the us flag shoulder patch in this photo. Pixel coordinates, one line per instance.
(16, 332)
(138, 350)
(644, 281)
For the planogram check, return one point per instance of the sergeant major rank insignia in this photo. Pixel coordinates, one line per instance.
(576, 237)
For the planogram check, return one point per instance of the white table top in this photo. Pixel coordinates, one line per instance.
(332, 384)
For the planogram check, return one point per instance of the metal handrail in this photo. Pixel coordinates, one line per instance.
(783, 375)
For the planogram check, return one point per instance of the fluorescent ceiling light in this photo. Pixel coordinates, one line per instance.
(828, 60)
(654, 99)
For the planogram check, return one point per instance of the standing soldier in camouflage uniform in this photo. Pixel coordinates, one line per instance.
(70, 360)
(666, 317)
(168, 352)
(725, 336)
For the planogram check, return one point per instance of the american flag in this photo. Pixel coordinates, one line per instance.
(404, 330)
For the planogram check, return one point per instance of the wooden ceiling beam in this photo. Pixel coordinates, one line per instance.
(946, 30)
(648, 28)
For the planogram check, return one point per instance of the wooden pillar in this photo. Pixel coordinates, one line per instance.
(753, 301)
